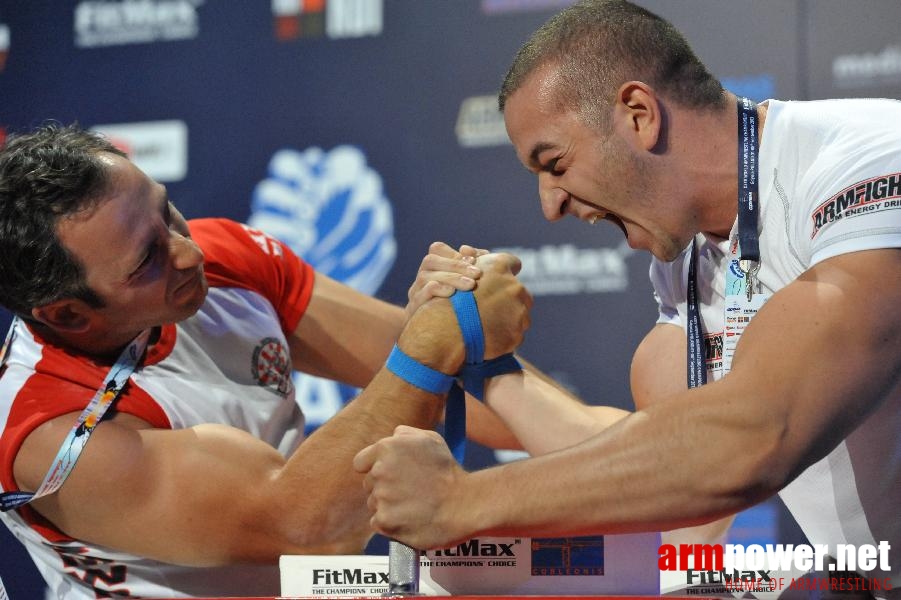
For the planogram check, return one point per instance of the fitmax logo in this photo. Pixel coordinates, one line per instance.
(134, 21)
(348, 577)
(692, 576)
(476, 548)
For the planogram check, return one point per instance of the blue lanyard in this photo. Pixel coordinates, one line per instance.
(748, 208)
(697, 365)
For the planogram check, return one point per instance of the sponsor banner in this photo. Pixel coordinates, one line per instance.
(334, 19)
(330, 208)
(480, 124)
(115, 23)
(158, 148)
(620, 564)
(567, 270)
(511, 6)
(342, 576)
(4, 45)
(882, 67)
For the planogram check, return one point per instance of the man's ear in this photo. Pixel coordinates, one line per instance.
(638, 112)
(69, 315)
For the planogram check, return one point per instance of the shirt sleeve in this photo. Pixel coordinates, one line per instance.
(853, 202)
(236, 255)
(666, 279)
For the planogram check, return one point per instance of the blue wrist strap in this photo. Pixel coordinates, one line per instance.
(472, 376)
(417, 374)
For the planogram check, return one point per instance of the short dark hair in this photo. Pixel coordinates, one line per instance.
(598, 45)
(47, 174)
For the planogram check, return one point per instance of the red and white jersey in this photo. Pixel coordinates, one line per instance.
(830, 184)
(227, 364)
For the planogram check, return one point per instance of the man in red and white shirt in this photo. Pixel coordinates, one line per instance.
(196, 481)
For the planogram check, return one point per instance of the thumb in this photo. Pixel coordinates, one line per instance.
(365, 458)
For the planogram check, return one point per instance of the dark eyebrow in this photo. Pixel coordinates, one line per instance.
(536, 150)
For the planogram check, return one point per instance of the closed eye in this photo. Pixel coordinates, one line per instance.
(552, 167)
(148, 259)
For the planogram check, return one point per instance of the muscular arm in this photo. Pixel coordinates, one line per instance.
(212, 494)
(543, 415)
(771, 417)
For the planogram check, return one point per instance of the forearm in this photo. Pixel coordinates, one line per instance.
(652, 471)
(344, 335)
(325, 497)
(322, 495)
(543, 416)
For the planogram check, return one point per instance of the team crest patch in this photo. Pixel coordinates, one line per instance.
(862, 198)
(271, 366)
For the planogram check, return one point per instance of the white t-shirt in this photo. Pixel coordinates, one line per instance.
(830, 183)
(227, 364)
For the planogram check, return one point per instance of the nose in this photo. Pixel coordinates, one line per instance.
(553, 199)
(184, 252)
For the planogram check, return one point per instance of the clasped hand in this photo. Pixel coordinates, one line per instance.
(432, 334)
(415, 486)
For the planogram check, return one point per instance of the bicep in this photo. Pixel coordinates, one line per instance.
(185, 496)
(824, 352)
(658, 366)
(344, 334)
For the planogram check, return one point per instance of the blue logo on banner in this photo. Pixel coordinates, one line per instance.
(330, 208)
(568, 556)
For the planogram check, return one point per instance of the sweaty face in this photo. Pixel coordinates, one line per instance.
(136, 252)
(584, 172)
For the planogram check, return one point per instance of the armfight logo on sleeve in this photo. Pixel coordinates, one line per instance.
(862, 198)
(330, 208)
